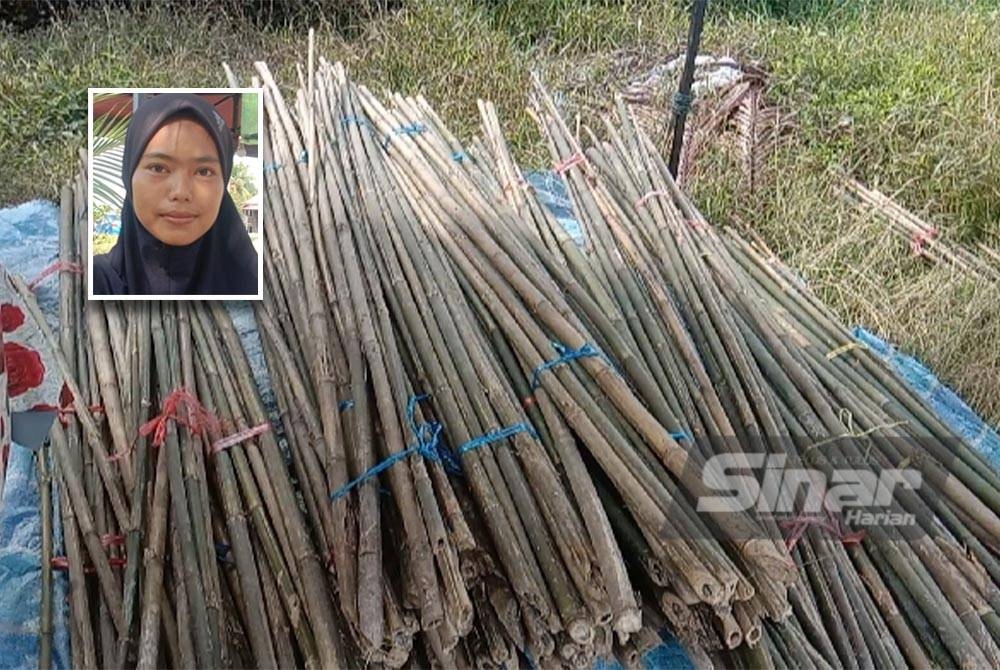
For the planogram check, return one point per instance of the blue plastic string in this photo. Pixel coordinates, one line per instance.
(374, 471)
(410, 130)
(346, 405)
(497, 435)
(566, 355)
(459, 156)
(428, 449)
(303, 157)
(682, 103)
(360, 120)
(272, 167)
(680, 435)
(428, 445)
(427, 434)
(222, 553)
(411, 409)
(435, 450)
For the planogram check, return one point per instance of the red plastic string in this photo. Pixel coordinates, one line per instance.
(196, 418)
(798, 526)
(111, 540)
(57, 266)
(68, 412)
(62, 563)
(239, 437)
(114, 458)
(920, 240)
(641, 202)
(569, 162)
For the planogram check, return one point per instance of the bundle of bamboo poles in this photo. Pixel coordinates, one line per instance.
(184, 540)
(981, 262)
(493, 443)
(810, 392)
(791, 382)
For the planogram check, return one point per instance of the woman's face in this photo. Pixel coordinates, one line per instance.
(177, 187)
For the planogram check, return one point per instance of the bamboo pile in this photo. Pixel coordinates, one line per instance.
(810, 395)
(925, 239)
(493, 443)
(700, 355)
(184, 540)
(813, 396)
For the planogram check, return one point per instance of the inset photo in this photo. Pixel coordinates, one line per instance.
(175, 193)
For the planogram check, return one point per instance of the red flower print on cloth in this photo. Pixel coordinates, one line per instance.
(25, 370)
(11, 318)
(65, 396)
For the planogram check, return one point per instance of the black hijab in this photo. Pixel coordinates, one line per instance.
(222, 262)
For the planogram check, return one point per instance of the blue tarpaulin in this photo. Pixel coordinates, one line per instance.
(29, 240)
(947, 404)
(20, 570)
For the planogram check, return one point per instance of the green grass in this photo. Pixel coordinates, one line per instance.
(915, 93)
(904, 96)
(45, 75)
(903, 93)
(102, 243)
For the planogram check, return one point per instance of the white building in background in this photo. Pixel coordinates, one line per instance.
(251, 214)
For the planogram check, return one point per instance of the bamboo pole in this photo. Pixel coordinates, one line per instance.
(45, 507)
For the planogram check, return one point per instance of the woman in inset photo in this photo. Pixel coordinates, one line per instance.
(181, 233)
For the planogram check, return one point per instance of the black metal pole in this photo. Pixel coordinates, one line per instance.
(682, 99)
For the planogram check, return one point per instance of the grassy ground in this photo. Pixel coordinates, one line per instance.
(903, 93)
